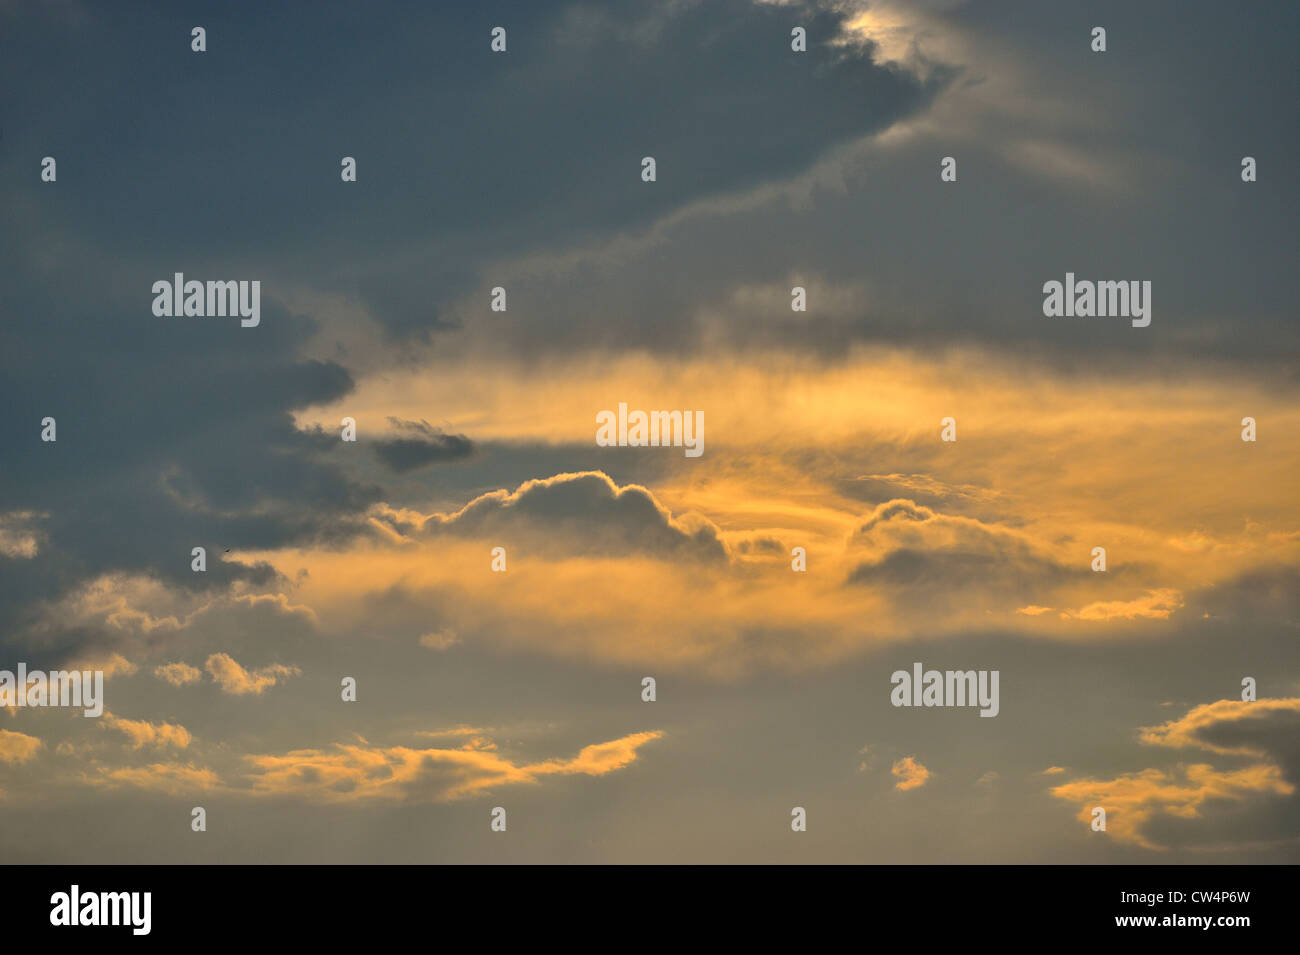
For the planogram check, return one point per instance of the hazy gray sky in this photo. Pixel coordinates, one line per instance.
(476, 429)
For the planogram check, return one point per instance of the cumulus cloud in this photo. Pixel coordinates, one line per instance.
(233, 678)
(572, 515)
(1263, 728)
(143, 733)
(902, 543)
(1131, 800)
(1199, 804)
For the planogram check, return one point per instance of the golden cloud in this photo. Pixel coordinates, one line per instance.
(1132, 799)
(178, 674)
(1266, 729)
(233, 678)
(143, 733)
(17, 747)
(349, 772)
(911, 774)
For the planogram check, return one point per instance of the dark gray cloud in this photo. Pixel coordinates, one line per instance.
(921, 549)
(1096, 180)
(420, 444)
(1245, 737)
(464, 156)
(585, 513)
(179, 432)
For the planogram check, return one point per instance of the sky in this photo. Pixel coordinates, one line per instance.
(522, 689)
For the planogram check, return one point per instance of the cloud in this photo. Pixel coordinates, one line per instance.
(143, 733)
(1155, 605)
(576, 514)
(923, 489)
(1201, 805)
(113, 664)
(178, 674)
(1258, 595)
(237, 472)
(421, 444)
(1132, 800)
(865, 762)
(17, 747)
(177, 779)
(911, 774)
(355, 772)
(233, 678)
(439, 639)
(906, 544)
(455, 732)
(19, 538)
(176, 433)
(1262, 728)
